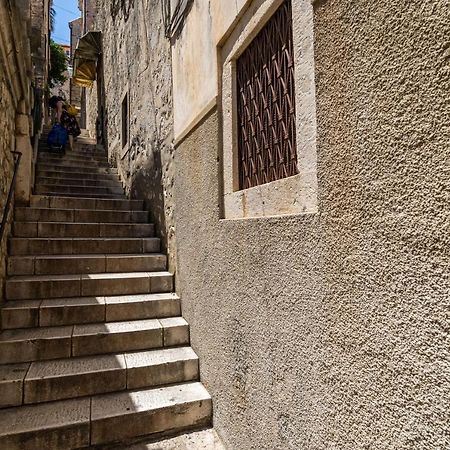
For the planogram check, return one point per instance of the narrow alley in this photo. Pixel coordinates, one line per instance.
(224, 225)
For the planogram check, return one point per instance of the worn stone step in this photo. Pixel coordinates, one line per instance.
(33, 214)
(74, 229)
(78, 190)
(205, 439)
(72, 311)
(81, 164)
(76, 246)
(72, 264)
(101, 419)
(98, 284)
(78, 169)
(126, 415)
(46, 343)
(61, 425)
(91, 161)
(84, 194)
(11, 384)
(42, 201)
(61, 379)
(72, 156)
(61, 175)
(78, 182)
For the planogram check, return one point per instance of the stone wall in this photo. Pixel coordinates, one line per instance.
(76, 27)
(7, 116)
(16, 100)
(329, 331)
(136, 59)
(40, 40)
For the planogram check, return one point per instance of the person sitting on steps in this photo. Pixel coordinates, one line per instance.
(67, 120)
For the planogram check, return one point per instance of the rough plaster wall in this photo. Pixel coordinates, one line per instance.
(137, 55)
(330, 331)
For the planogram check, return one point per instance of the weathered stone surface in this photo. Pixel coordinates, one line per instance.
(148, 306)
(58, 426)
(74, 377)
(176, 331)
(68, 311)
(116, 336)
(11, 384)
(34, 344)
(158, 367)
(130, 414)
(146, 167)
(20, 314)
(201, 440)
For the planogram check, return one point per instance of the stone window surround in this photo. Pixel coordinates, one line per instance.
(296, 194)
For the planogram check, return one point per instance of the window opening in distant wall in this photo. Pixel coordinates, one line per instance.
(125, 121)
(266, 104)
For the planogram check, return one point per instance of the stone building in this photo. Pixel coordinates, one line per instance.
(135, 109)
(64, 89)
(24, 56)
(76, 28)
(294, 157)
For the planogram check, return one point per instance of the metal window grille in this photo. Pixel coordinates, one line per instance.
(266, 104)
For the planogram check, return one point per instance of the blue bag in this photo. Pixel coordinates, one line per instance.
(57, 138)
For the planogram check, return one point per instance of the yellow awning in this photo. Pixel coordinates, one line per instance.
(85, 59)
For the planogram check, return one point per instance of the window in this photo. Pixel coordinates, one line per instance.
(266, 104)
(125, 121)
(269, 126)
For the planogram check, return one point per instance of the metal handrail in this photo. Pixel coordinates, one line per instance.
(10, 194)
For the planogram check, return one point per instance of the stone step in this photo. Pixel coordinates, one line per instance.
(97, 420)
(73, 264)
(46, 381)
(79, 169)
(79, 215)
(84, 182)
(98, 284)
(73, 160)
(70, 162)
(61, 175)
(76, 246)
(206, 439)
(46, 343)
(72, 311)
(73, 229)
(80, 149)
(41, 201)
(78, 190)
(84, 195)
(62, 161)
(73, 156)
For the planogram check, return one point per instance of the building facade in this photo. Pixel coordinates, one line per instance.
(24, 57)
(311, 255)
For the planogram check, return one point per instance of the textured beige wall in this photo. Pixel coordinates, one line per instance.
(330, 331)
(194, 58)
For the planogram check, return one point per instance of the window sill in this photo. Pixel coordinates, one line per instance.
(293, 195)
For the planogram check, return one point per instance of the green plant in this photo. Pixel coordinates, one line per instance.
(58, 65)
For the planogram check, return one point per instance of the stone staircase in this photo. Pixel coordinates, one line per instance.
(93, 349)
